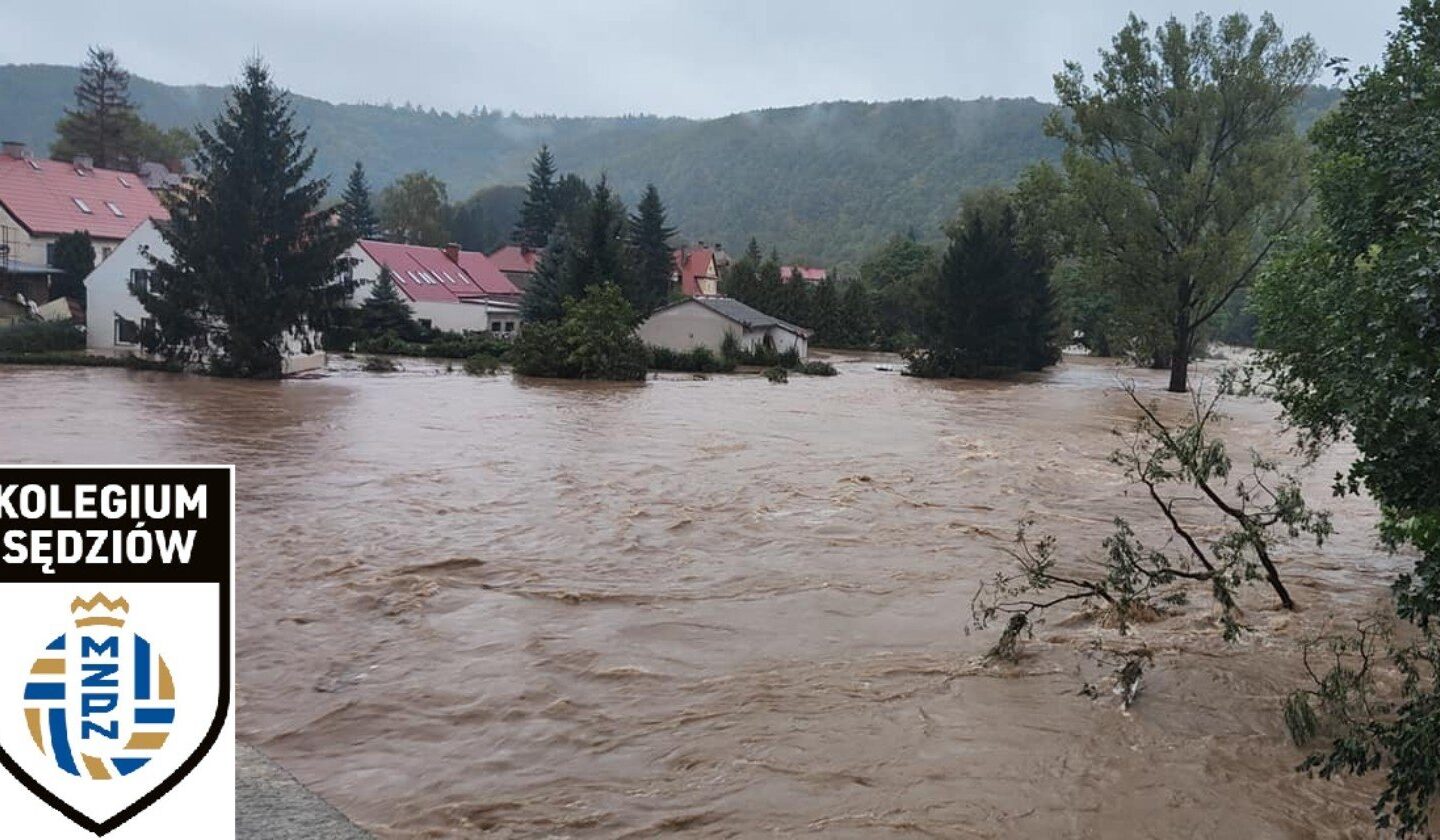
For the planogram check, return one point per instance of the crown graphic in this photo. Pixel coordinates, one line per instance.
(99, 610)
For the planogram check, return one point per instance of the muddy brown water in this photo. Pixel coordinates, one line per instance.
(712, 608)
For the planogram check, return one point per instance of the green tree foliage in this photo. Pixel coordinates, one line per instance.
(387, 312)
(539, 213)
(992, 312)
(357, 213)
(484, 221)
(1350, 313)
(595, 339)
(75, 257)
(253, 261)
(413, 210)
(105, 124)
(599, 253)
(652, 261)
(544, 300)
(901, 275)
(1184, 163)
(572, 201)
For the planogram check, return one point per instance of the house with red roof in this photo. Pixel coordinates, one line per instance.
(40, 200)
(516, 262)
(808, 273)
(697, 271)
(448, 289)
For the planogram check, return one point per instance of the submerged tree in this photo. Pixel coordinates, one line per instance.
(991, 313)
(253, 263)
(1184, 162)
(357, 213)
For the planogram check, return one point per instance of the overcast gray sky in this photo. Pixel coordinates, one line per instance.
(631, 56)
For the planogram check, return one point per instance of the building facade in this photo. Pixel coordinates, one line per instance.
(705, 321)
(447, 288)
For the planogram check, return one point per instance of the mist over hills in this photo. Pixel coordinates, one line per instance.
(824, 183)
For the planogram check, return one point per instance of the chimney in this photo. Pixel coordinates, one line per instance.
(452, 251)
(83, 163)
(15, 149)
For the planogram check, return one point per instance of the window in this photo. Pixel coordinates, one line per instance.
(509, 326)
(124, 182)
(115, 208)
(126, 332)
(424, 322)
(80, 202)
(495, 326)
(140, 278)
(50, 254)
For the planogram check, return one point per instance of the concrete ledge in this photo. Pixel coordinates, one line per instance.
(271, 805)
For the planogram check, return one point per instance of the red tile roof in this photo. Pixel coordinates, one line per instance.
(426, 274)
(46, 197)
(515, 259)
(485, 274)
(692, 264)
(810, 273)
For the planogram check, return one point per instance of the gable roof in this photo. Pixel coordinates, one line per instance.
(733, 310)
(485, 274)
(515, 259)
(692, 264)
(50, 197)
(423, 273)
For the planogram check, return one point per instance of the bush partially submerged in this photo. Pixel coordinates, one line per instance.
(594, 340)
(378, 364)
(41, 337)
(818, 368)
(482, 364)
(694, 360)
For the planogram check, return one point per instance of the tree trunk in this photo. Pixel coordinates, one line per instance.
(1180, 366)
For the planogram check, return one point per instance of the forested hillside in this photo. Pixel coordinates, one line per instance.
(824, 183)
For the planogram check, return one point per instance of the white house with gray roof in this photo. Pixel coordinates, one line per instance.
(704, 321)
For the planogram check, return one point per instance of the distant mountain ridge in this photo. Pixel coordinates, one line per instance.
(823, 183)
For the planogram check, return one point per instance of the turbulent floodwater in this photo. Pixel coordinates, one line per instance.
(710, 608)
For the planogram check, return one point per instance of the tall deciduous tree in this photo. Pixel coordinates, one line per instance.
(539, 213)
(253, 262)
(652, 262)
(1184, 160)
(414, 210)
(357, 213)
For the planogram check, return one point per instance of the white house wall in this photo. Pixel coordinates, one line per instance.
(691, 324)
(107, 293)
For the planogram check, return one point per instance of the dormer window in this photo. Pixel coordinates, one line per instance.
(80, 202)
(33, 165)
(115, 208)
(124, 182)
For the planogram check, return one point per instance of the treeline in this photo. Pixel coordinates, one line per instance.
(105, 124)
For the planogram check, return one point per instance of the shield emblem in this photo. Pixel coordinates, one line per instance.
(116, 588)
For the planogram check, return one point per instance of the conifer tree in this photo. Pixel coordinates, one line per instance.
(545, 296)
(652, 262)
(599, 255)
(103, 115)
(253, 263)
(857, 315)
(386, 311)
(538, 214)
(825, 313)
(357, 213)
(75, 257)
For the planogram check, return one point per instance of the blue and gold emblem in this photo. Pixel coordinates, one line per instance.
(100, 701)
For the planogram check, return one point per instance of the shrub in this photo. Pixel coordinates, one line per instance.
(41, 337)
(818, 369)
(694, 360)
(482, 364)
(445, 345)
(378, 364)
(594, 340)
(777, 375)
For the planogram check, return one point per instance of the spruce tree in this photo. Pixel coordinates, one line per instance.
(545, 296)
(103, 115)
(538, 214)
(825, 313)
(253, 262)
(386, 311)
(599, 255)
(857, 315)
(75, 257)
(357, 213)
(652, 261)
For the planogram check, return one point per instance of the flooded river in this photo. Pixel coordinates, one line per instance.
(716, 608)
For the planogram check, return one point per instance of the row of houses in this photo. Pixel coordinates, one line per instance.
(448, 288)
